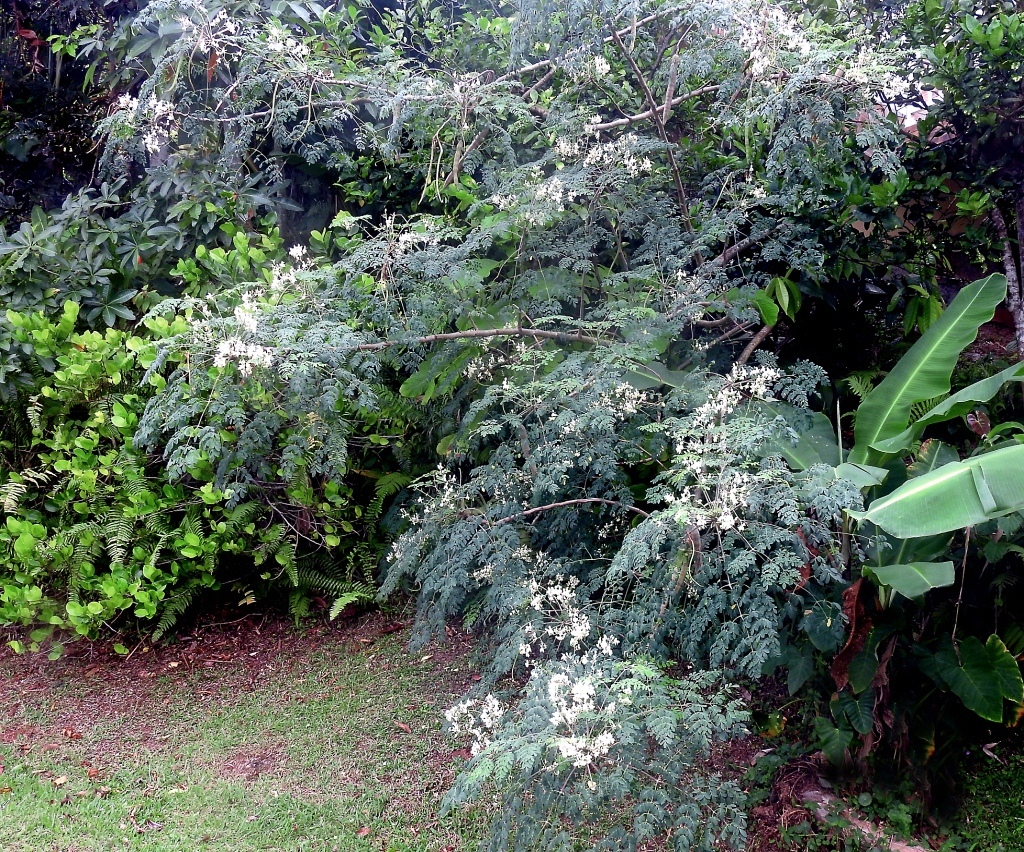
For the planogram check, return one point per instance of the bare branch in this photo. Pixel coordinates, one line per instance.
(535, 333)
(650, 113)
(755, 341)
(579, 502)
(733, 251)
(655, 109)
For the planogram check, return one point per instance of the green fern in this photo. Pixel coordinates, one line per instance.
(173, 608)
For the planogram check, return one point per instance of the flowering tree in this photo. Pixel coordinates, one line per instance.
(587, 223)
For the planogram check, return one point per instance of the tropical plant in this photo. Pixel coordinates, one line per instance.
(970, 136)
(912, 513)
(549, 331)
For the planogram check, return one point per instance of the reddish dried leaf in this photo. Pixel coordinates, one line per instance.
(859, 627)
(404, 727)
(363, 832)
(211, 65)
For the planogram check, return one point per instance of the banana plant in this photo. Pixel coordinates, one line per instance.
(913, 510)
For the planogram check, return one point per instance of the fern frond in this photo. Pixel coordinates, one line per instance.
(173, 609)
(920, 409)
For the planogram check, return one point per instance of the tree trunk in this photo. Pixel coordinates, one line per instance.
(1014, 294)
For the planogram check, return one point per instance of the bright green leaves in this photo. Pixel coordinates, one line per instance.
(438, 374)
(913, 579)
(954, 406)
(981, 676)
(954, 496)
(924, 372)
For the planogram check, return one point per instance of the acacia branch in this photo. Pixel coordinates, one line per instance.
(733, 251)
(755, 341)
(650, 113)
(578, 502)
(655, 110)
(535, 333)
(461, 152)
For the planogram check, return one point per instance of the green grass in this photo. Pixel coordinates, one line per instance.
(311, 759)
(991, 816)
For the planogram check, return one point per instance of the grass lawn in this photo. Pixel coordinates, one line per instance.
(991, 816)
(245, 738)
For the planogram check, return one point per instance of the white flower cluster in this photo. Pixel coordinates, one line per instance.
(246, 314)
(574, 706)
(477, 719)
(624, 401)
(557, 602)
(154, 117)
(731, 498)
(622, 152)
(743, 382)
(567, 148)
(163, 127)
(247, 356)
(581, 751)
(768, 33)
(280, 41)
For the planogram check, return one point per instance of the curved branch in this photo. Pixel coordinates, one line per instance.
(755, 341)
(578, 502)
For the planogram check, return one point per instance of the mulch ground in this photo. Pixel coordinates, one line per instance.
(213, 659)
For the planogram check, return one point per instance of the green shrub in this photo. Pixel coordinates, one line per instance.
(94, 530)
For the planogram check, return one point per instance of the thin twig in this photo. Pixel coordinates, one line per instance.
(583, 500)
(656, 115)
(536, 333)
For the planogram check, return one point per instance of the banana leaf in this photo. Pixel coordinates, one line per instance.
(956, 405)
(924, 372)
(913, 579)
(954, 496)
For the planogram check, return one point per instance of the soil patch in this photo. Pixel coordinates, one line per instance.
(250, 764)
(92, 689)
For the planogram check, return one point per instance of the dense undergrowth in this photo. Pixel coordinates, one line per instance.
(534, 348)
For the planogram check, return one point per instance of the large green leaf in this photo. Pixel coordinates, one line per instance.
(933, 455)
(954, 496)
(859, 710)
(816, 442)
(913, 579)
(983, 676)
(862, 475)
(956, 405)
(924, 372)
(889, 550)
(1007, 670)
(833, 741)
(973, 678)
